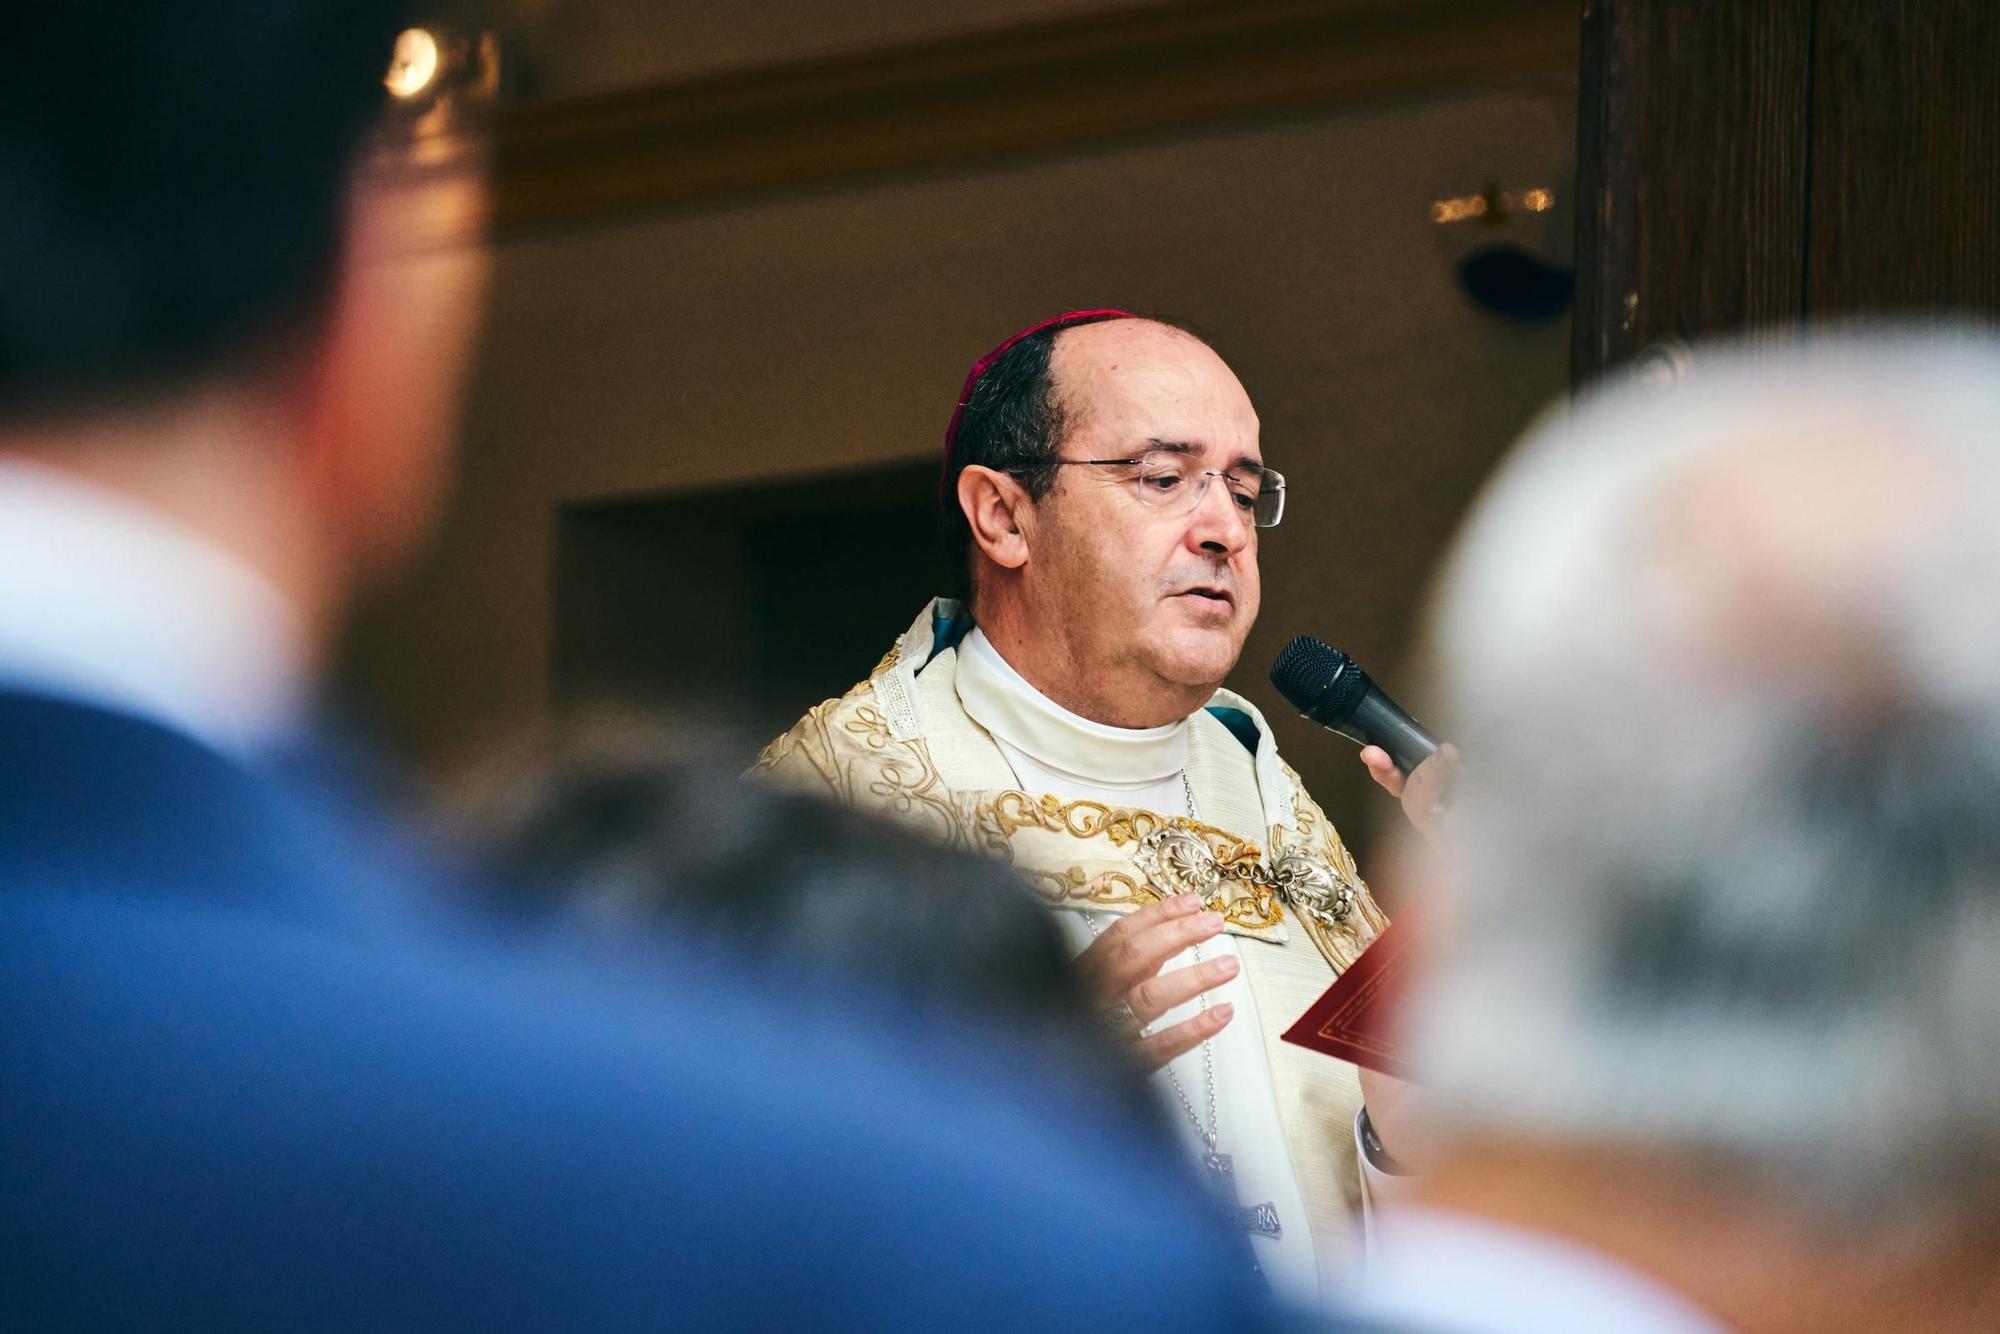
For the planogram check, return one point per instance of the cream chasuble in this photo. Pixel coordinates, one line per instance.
(946, 736)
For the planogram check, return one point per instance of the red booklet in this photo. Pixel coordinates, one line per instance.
(1354, 1020)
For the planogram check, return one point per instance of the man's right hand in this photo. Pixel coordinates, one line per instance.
(1123, 966)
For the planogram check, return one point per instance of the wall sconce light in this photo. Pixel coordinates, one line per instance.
(434, 72)
(415, 66)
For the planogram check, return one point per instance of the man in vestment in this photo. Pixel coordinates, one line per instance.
(1104, 484)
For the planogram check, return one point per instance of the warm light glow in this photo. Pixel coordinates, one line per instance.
(414, 67)
(1492, 202)
(1457, 210)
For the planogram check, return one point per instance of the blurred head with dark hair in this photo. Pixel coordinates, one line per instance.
(201, 307)
(172, 185)
(622, 826)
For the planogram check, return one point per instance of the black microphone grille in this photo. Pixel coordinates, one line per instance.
(1304, 669)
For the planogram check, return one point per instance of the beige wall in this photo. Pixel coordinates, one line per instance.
(569, 47)
(830, 331)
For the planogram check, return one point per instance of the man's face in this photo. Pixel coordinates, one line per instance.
(1141, 595)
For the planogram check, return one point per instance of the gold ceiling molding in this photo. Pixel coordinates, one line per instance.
(1147, 71)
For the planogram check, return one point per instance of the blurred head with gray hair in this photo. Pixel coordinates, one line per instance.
(1723, 657)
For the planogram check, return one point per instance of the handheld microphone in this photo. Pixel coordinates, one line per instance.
(1325, 685)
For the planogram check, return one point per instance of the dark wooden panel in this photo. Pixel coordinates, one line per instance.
(1693, 135)
(1906, 161)
(1155, 69)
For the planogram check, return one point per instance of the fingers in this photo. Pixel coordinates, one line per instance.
(1155, 996)
(1134, 947)
(1147, 951)
(1429, 793)
(1383, 769)
(1184, 1037)
(1164, 910)
(1111, 963)
(1429, 785)
(1124, 965)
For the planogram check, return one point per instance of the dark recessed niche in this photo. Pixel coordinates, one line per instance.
(760, 600)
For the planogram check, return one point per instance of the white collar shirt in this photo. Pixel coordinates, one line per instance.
(108, 603)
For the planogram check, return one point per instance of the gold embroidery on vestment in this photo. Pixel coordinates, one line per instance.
(1173, 856)
(855, 748)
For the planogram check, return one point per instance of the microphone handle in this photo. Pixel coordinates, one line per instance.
(1377, 721)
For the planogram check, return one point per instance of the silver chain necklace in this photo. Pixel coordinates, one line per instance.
(1261, 1219)
(1210, 1130)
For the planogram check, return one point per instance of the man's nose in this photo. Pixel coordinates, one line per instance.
(1216, 525)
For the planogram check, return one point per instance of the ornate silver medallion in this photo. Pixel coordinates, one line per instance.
(1177, 861)
(1315, 885)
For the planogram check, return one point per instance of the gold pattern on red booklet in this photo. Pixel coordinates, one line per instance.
(1355, 1019)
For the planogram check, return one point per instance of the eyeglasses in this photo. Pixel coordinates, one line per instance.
(1175, 483)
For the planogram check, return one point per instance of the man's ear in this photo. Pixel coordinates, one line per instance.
(999, 511)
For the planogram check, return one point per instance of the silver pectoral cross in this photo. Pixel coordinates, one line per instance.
(1261, 1219)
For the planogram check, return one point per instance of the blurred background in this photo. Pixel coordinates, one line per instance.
(702, 444)
(744, 255)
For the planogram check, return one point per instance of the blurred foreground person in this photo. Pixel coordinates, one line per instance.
(245, 1086)
(627, 828)
(1712, 1018)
